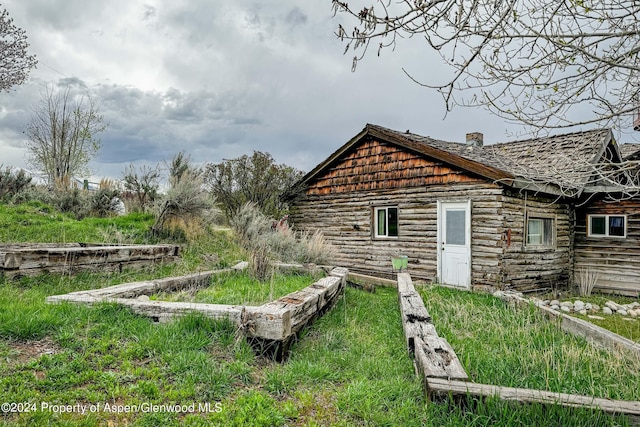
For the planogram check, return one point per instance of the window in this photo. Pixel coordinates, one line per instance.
(540, 231)
(607, 225)
(386, 222)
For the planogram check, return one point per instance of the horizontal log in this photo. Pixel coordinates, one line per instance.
(441, 388)
(26, 260)
(372, 279)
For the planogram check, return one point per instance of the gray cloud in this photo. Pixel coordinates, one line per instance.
(220, 79)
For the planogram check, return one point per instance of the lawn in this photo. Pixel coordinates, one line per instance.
(621, 325)
(349, 368)
(239, 288)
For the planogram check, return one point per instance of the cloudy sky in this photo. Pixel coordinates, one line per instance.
(219, 79)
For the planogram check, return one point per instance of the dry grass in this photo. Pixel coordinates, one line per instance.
(586, 279)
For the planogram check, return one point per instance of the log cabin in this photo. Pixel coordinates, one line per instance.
(512, 215)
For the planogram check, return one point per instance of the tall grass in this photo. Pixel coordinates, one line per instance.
(513, 347)
(242, 289)
(586, 279)
(351, 367)
(268, 241)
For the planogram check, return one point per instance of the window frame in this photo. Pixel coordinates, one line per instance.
(376, 215)
(552, 238)
(606, 234)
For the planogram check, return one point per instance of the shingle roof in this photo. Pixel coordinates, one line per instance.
(560, 164)
(564, 160)
(630, 151)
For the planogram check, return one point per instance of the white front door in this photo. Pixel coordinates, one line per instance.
(454, 243)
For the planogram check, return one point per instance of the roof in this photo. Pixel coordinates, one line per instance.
(552, 164)
(630, 151)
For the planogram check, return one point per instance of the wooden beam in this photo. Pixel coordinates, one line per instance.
(439, 387)
(379, 281)
(435, 358)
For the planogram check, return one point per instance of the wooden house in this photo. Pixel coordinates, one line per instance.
(464, 214)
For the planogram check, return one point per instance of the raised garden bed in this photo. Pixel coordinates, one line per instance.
(17, 260)
(270, 327)
(443, 375)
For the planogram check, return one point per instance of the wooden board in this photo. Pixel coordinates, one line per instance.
(432, 354)
(439, 387)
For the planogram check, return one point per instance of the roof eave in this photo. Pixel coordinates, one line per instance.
(546, 188)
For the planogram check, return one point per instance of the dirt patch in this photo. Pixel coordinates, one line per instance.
(24, 352)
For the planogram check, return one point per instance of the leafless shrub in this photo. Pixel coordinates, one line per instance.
(586, 279)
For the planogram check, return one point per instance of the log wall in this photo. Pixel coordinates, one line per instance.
(346, 221)
(340, 202)
(528, 268)
(616, 260)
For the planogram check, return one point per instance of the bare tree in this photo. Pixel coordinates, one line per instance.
(15, 63)
(62, 134)
(143, 183)
(532, 61)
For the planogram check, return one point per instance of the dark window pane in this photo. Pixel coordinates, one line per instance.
(616, 226)
(392, 220)
(598, 226)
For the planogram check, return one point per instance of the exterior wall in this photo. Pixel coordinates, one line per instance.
(346, 221)
(615, 260)
(527, 268)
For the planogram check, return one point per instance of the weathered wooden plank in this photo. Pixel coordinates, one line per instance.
(441, 387)
(23, 260)
(372, 279)
(592, 333)
(435, 358)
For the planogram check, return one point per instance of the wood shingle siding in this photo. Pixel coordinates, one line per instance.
(376, 165)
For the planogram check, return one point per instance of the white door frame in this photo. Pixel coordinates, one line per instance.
(464, 268)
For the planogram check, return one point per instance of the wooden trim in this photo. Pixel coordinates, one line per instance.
(606, 216)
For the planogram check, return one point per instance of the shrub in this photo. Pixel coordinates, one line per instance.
(186, 200)
(104, 202)
(586, 280)
(72, 201)
(268, 240)
(12, 183)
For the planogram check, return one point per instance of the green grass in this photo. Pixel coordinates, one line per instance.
(617, 324)
(37, 222)
(621, 325)
(350, 368)
(519, 348)
(241, 288)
